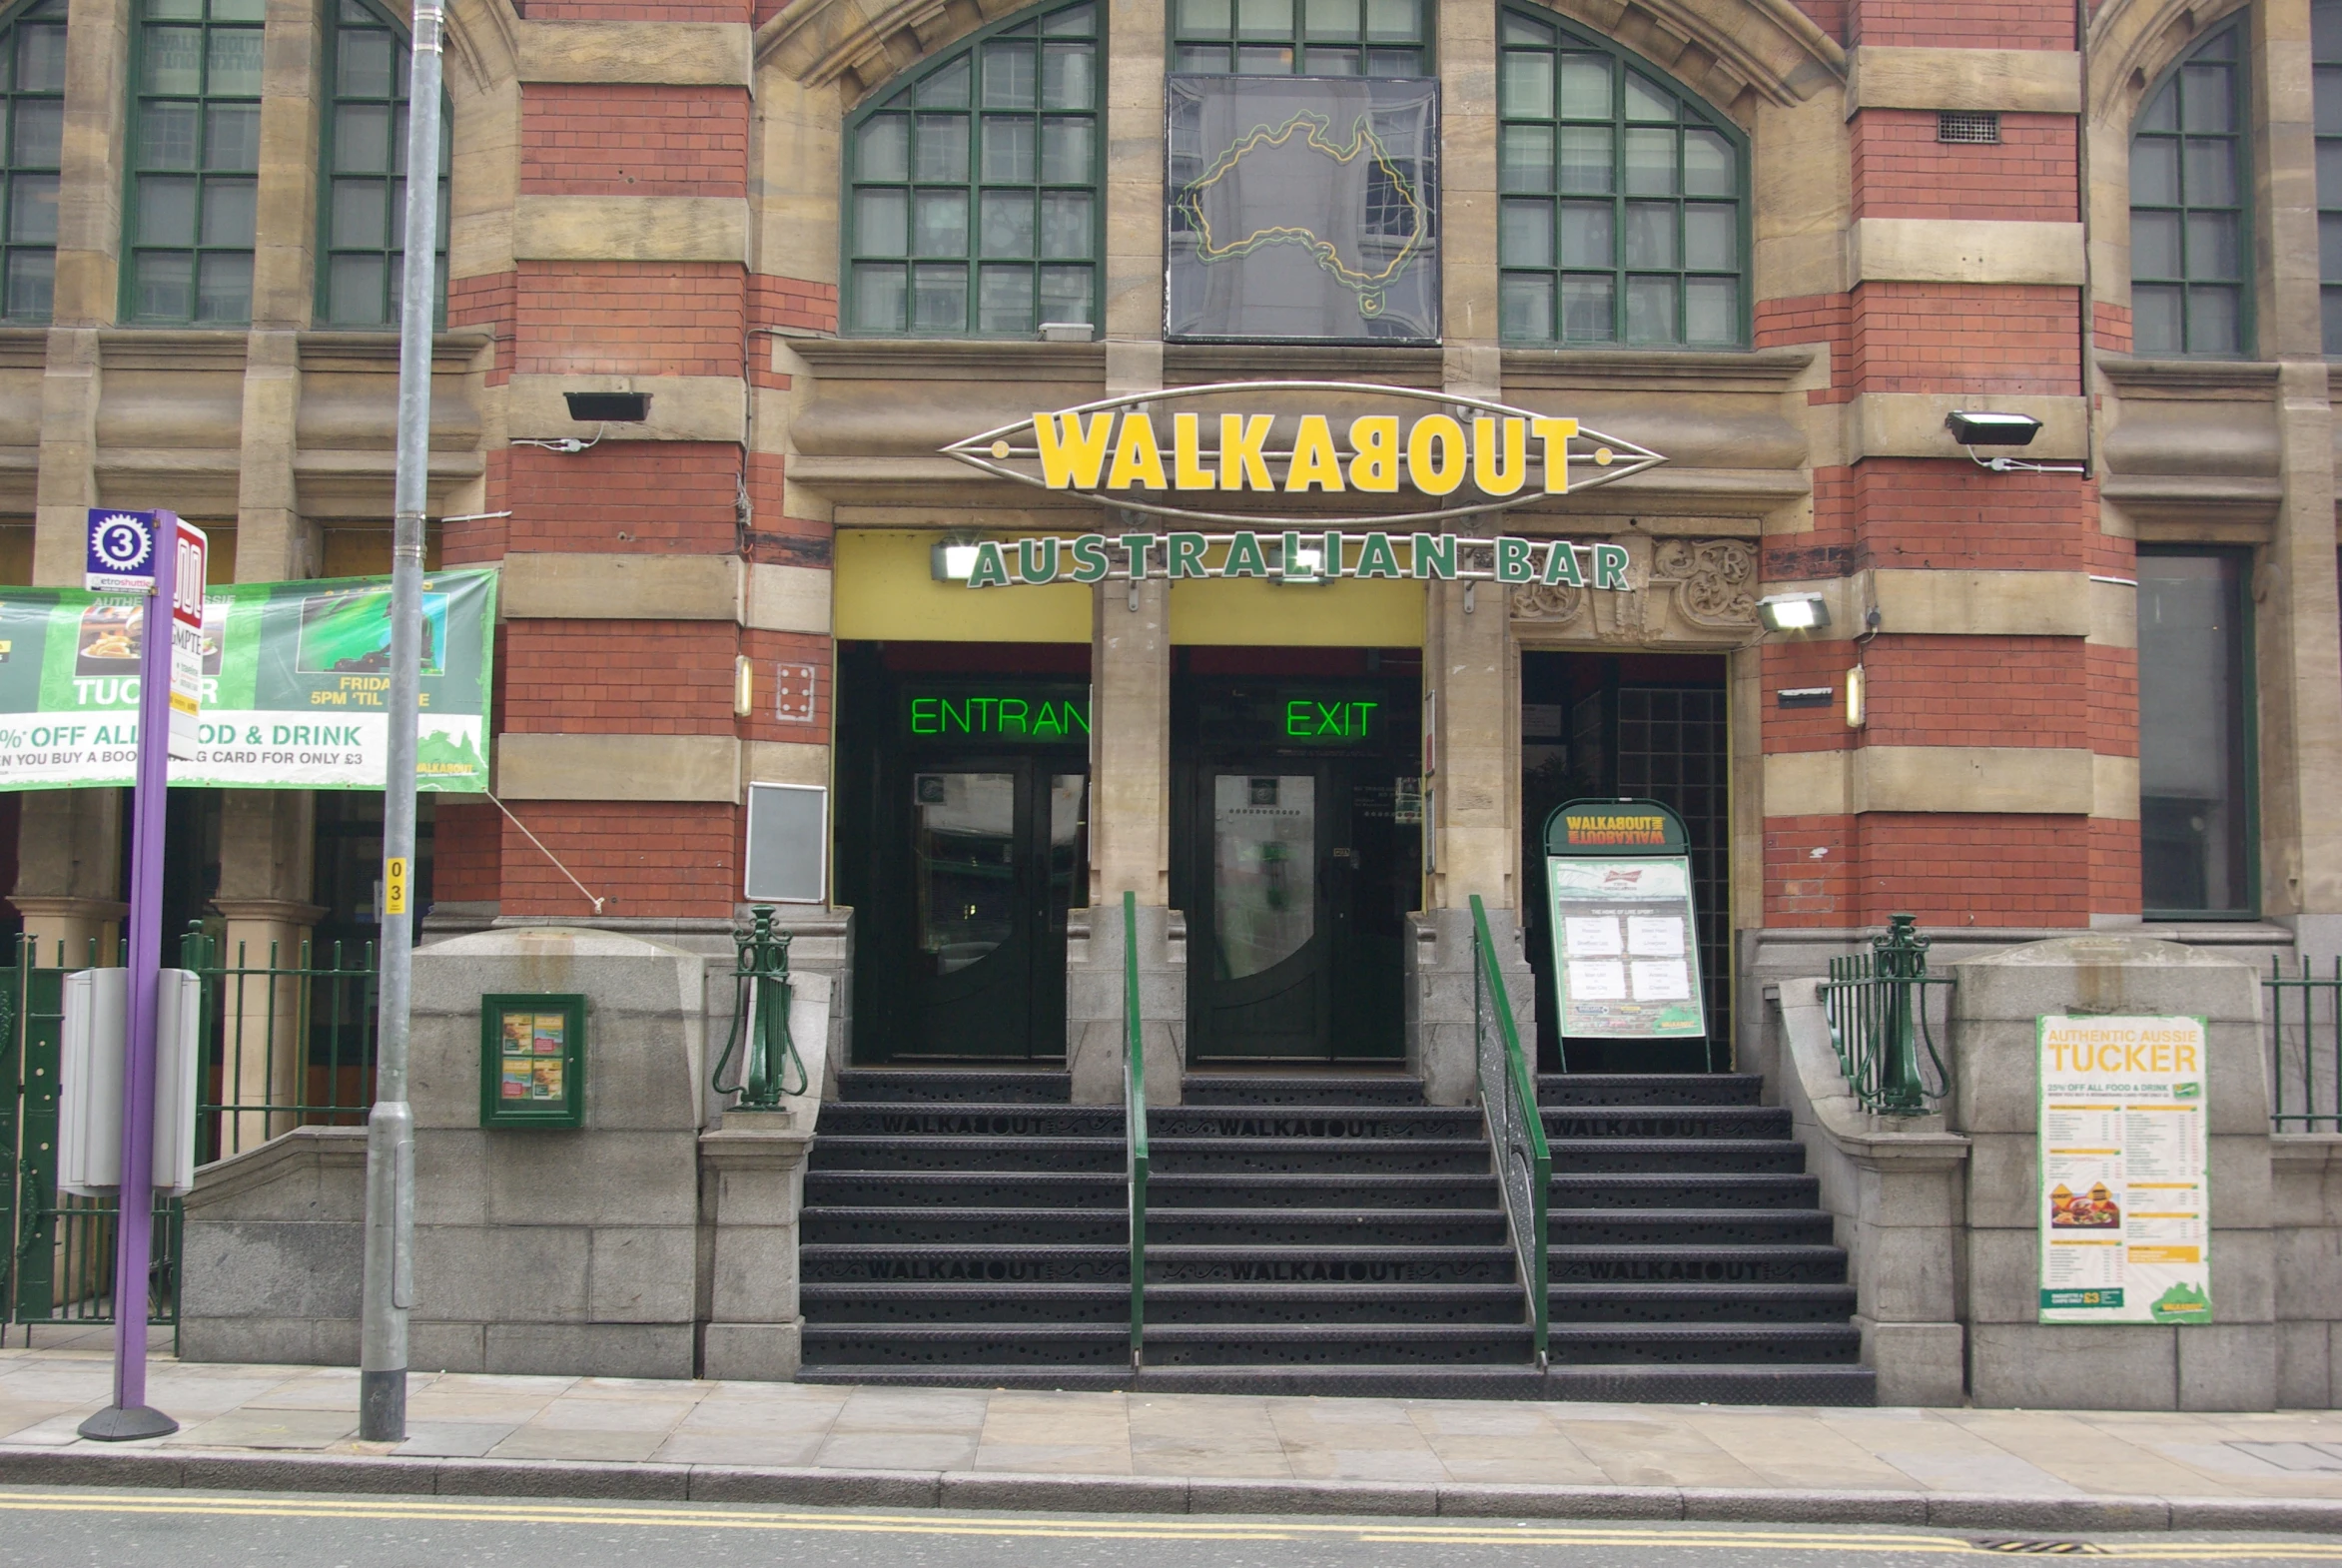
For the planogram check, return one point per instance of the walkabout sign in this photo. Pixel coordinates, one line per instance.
(290, 678)
(1626, 956)
(1244, 452)
(2124, 1202)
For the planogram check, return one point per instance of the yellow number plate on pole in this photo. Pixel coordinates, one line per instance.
(395, 886)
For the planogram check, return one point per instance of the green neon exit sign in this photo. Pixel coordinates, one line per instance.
(1035, 717)
(1307, 719)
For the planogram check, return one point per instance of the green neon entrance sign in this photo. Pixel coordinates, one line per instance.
(1030, 717)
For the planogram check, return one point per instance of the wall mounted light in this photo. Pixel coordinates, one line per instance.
(1993, 429)
(952, 558)
(1306, 570)
(1793, 612)
(608, 407)
(1974, 429)
(1857, 692)
(743, 686)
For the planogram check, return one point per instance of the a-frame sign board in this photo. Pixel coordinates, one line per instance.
(1626, 950)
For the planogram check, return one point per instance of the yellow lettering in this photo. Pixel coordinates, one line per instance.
(1375, 441)
(1072, 456)
(1315, 462)
(1137, 459)
(1499, 471)
(1243, 448)
(2188, 1058)
(1441, 477)
(1188, 454)
(1555, 436)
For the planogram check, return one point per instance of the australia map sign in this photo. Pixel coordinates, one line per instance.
(295, 686)
(1304, 207)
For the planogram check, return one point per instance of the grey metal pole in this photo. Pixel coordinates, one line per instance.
(389, 1141)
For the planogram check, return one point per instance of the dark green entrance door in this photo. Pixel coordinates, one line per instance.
(1296, 836)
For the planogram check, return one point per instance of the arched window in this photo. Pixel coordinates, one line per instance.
(2187, 229)
(1300, 37)
(1624, 216)
(363, 207)
(195, 157)
(32, 74)
(972, 206)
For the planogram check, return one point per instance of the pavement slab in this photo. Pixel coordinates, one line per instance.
(592, 1436)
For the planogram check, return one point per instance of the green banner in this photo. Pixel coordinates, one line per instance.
(296, 688)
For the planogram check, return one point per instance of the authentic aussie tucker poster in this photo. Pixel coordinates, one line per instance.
(295, 686)
(2125, 1208)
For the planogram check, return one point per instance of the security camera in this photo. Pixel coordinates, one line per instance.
(1993, 429)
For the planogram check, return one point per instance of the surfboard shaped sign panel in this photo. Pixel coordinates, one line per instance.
(1337, 453)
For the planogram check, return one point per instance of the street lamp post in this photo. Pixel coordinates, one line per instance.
(390, 1142)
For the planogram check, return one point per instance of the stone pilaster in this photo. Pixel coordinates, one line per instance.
(752, 1180)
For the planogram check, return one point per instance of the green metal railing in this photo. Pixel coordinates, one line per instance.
(57, 1265)
(1876, 1004)
(284, 1045)
(1516, 1130)
(2305, 1046)
(1134, 1126)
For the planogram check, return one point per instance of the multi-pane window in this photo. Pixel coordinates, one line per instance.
(973, 188)
(1622, 217)
(2325, 32)
(32, 72)
(2188, 262)
(2198, 844)
(1300, 37)
(360, 273)
(194, 145)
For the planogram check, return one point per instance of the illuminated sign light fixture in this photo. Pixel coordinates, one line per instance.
(1793, 612)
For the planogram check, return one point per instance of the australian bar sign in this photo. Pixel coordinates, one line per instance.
(1244, 453)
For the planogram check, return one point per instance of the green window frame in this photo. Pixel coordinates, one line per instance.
(974, 200)
(32, 79)
(1624, 210)
(362, 164)
(2190, 235)
(2325, 37)
(1300, 37)
(2198, 737)
(195, 139)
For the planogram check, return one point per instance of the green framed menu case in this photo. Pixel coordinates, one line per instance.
(533, 1060)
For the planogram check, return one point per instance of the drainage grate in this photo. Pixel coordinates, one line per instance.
(1964, 125)
(2027, 1548)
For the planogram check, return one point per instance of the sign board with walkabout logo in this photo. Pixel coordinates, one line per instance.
(1626, 954)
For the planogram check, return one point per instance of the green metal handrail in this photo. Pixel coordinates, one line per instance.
(1135, 1124)
(2312, 1056)
(1876, 1005)
(1516, 1129)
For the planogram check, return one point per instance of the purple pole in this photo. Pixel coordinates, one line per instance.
(129, 1416)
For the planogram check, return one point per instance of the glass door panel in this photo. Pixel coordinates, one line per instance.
(1265, 870)
(963, 829)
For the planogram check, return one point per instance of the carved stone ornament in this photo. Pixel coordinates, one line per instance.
(1692, 592)
(1717, 581)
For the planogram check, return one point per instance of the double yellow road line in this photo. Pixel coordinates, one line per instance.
(654, 1516)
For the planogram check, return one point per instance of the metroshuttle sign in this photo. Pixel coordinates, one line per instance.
(1300, 455)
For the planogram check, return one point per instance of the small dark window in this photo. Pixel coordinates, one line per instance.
(2189, 240)
(1964, 125)
(2199, 845)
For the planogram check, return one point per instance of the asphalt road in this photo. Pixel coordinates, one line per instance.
(183, 1529)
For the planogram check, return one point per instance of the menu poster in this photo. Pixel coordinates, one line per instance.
(1627, 962)
(2123, 1205)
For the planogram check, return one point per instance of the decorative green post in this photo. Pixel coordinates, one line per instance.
(1901, 958)
(761, 1012)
